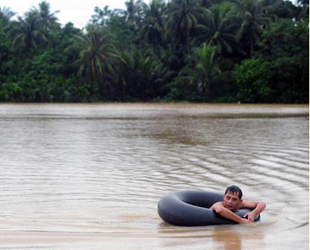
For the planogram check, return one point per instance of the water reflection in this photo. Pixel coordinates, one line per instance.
(231, 240)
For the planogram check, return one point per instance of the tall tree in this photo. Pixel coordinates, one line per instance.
(29, 33)
(95, 64)
(182, 19)
(303, 10)
(207, 68)
(102, 16)
(152, 30)
(133, 12)
(219, 28)
(6, 14)
(251, 12)
(48, 18)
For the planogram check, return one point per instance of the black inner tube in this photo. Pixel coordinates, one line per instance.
(192, 208)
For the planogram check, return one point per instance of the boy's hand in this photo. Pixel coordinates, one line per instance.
(245, 221)
(250, 216)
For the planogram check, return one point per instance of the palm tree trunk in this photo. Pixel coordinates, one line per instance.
(187, 42)
(124, 89)
(251, 46)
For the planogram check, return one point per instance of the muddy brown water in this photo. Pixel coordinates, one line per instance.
(89, 176)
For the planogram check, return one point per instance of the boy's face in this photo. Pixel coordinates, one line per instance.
(231, 200)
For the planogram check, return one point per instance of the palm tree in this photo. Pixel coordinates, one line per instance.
(101, 16)
(254, 19)
(275, 9)
(94, 61)
(133, 12)
(152, 29)
(203, 74)
(182, 18)
(206, 68)
(6, 14)
(48, 19)
(219, 28)
(29, 33)
(303, 12)
(125, 68)
(140, 74)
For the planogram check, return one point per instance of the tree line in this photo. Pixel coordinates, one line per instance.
(254, 51)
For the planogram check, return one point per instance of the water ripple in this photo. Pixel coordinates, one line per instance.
(102, 169)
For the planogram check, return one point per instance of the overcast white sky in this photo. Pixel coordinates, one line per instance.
(78, 11)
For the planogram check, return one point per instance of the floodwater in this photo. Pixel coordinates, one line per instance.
(83, 176)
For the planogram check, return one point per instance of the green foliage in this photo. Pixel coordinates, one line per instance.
(253, 78)
(184, 50)
(5, 15)
(182, 89)
(219, 27)
(286, 45)
(4, 50)
(152, 30)
(182, 20)
(9, 92)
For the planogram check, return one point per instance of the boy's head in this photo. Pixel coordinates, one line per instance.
(234, 189)
(232, 197)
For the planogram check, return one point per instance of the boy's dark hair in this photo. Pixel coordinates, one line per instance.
(234, 189)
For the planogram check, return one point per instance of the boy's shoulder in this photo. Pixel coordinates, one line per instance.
(219, 203)
(248, 204)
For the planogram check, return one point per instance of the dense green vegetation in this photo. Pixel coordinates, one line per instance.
(185, 50)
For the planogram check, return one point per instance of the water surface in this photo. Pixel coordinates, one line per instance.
(90, 176)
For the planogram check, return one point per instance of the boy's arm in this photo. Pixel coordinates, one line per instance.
(220, 209)
(258, 207)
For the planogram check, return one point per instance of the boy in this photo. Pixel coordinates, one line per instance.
(232, 201)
